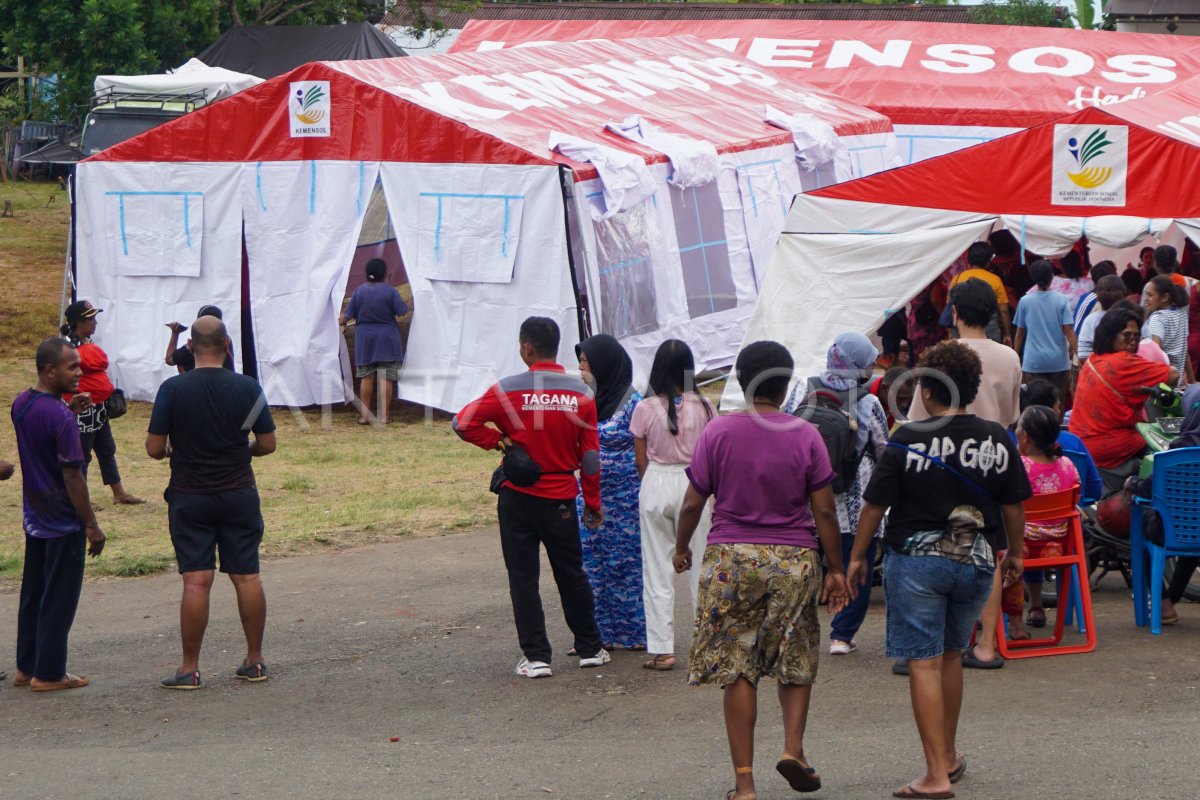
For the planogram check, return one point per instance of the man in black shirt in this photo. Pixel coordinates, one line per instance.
(181, 357)
(201, 420)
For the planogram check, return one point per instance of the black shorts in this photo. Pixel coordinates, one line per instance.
(203, 524)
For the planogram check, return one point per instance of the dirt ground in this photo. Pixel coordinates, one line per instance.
(414, 640)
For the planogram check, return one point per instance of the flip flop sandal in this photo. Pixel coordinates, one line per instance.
(957, 774)
(798, 776)
(1171, 620)
(661, 663)
(18, 680)
(1036, 619)
(68, 682)
(916, 794)
(971, 661)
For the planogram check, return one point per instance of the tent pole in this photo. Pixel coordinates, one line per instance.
(565, 183)
(68, 281)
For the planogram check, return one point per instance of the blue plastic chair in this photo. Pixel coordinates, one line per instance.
(1175, 495)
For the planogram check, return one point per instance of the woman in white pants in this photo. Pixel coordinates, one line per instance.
(666, 426)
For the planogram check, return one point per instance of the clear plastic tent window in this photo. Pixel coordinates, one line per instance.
(703, 249)
(623, 252)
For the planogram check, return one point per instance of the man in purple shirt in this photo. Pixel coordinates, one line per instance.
(59, 522)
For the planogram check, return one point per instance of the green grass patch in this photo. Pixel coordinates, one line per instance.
(332, 486)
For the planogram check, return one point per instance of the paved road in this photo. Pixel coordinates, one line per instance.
(415, 640)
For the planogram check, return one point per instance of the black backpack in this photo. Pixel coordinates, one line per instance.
(832, 412)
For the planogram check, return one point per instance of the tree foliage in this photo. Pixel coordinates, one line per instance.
(1032, 13)
(76, 40)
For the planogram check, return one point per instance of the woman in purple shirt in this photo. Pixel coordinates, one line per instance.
(770, 476)
(374, 307)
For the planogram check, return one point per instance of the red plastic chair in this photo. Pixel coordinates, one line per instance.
(1074, 569)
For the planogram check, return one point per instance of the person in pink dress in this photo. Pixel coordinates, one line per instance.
(1049, 472)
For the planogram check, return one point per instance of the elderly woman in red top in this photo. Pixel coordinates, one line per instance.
(95, 432)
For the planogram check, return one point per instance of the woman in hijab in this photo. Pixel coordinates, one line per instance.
(847, 374)
(612, 553)
(1189, 436)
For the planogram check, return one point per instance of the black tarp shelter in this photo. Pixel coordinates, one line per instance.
(269, 50)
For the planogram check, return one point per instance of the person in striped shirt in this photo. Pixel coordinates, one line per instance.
(1167, 325)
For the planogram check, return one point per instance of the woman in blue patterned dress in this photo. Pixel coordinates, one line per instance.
(848, 366)
(612, 553)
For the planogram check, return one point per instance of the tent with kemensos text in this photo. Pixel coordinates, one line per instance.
(945, 86)
(850, 255)
(635, 188)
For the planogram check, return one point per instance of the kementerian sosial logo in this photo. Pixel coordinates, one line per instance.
(309, 108)
(1091, 165)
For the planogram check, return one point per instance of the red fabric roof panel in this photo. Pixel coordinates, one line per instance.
(917, 73)
(499, 106)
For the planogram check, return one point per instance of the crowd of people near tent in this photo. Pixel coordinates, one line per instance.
(954, 429)
(771, 510)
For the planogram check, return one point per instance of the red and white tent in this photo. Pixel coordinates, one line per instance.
(852, 254)
(944, 86)
(492, 224)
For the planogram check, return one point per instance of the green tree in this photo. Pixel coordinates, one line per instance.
(1033, 13)
(76, 40)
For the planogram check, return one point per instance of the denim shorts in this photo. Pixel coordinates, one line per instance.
(932, 604)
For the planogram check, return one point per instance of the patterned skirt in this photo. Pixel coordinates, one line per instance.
(757, 615)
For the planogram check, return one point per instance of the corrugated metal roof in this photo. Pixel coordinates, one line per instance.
(455, 20)
(1189, 9)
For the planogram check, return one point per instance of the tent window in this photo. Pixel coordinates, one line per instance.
(627, 305)
(468, 237)
(703, 251)
(156, 233)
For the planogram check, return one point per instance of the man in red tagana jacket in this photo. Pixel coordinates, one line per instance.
(552, 417)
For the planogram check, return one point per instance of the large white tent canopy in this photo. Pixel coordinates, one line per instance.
(853, 254)
(635, 188)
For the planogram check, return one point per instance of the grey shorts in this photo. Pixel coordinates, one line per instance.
(388, 370)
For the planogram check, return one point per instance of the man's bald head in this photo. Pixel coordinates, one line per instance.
(208, 336)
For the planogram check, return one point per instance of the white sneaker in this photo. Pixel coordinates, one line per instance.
(837, 648)
(600, 659)
(533, 669)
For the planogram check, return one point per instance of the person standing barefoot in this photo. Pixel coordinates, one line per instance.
(58, 519)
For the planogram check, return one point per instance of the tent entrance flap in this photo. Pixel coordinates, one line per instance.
(822, 285)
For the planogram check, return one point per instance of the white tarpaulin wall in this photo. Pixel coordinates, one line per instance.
(844, 265)
(688, 263)
(162, 241)
(504, 225)
(302, 222)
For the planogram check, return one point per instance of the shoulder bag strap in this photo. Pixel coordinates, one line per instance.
(37, 396)
(1096, 372)
(938, 462)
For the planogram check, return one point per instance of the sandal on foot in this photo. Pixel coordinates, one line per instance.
(798, 776)
(252, 672)
(957, 774)
(1020, 636)
(67, 681)
(911, 793)
(972, 661)
(1036, 618)
(21, 679)
(182, 680)
(662, 662)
